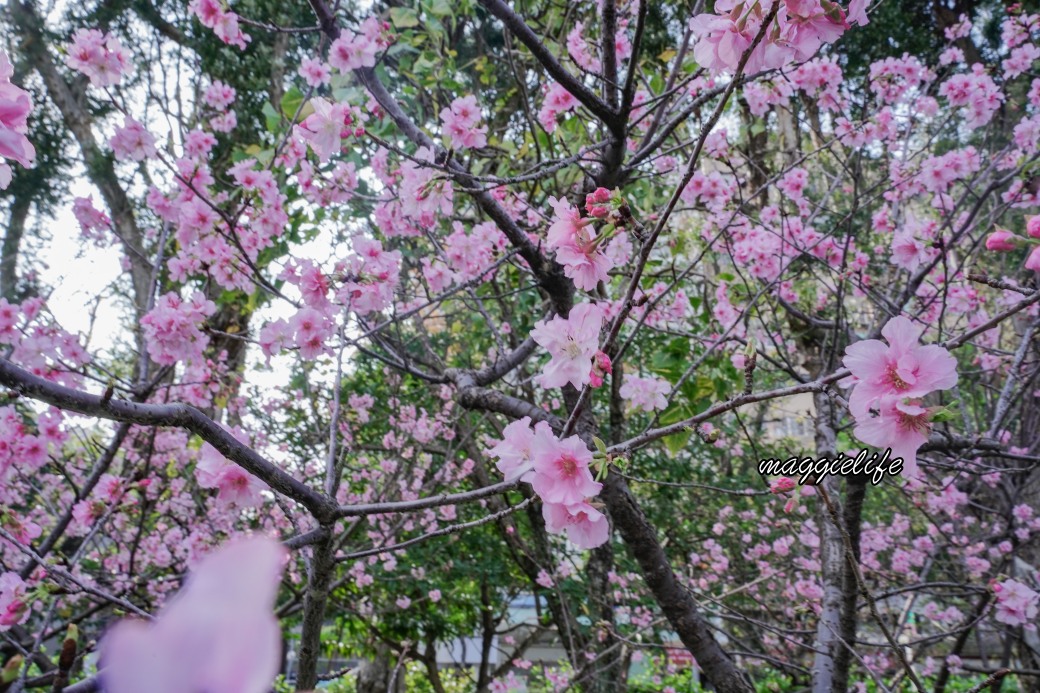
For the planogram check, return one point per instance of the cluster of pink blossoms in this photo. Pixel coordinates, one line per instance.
(1003, 240)
(224, 23)
(132, 142)
(647, 394)
(573, 344)
(99, 56)
(1016, 604)
(557, 102)
(15, 105)
(582, 254)
(354, 50)
(558, 471)
(218, 634)
(890, 381)
(798, 30)
(171, 328)
(460, 124)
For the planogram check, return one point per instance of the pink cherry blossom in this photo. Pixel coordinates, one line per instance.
(459, 122)
(235, 486)
(13, 607)
(171, 328)
(15, 106)
(557, 102)
(515, 459)
(1016, 604)
(1033, 261)
(902, 368)
(217, 634)
(561, 470)
(572, 342)
(647, 394)
(577, 248)
(314, 72)
(325, 128)
(99, 56)
(900, 424)
(132, 142)
(585, 526)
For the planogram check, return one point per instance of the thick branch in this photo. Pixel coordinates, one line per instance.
(175, 415)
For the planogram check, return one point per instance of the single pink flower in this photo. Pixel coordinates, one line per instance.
(901, 368)
(573, 342)
(585, 526)
(902, 425)
(561, 470)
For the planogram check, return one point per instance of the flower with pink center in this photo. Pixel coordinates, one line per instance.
(561, 470)
(132, 142)
(900, 424)
(314, 72)
(557, 102)
(218, 634)
(585, 526)
(577, 248)
(235, 486)
(902, 368)
(572, 342)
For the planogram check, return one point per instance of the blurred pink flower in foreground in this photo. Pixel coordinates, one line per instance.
(218, 634)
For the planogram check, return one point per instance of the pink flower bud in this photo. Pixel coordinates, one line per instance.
(1000, 240)
(1033, 226)
(782, 485)
(1033, 261)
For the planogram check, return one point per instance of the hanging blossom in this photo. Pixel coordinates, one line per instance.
(797, 32)
(218, 634)
(560, 474)
(99, 56)
(889, 381)
(15, 105)
(573, 343)
(132, 142)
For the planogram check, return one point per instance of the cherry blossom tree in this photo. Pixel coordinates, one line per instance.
(428, 306)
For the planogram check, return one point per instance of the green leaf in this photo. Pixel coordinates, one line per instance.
(291, 102)
(403, 17)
